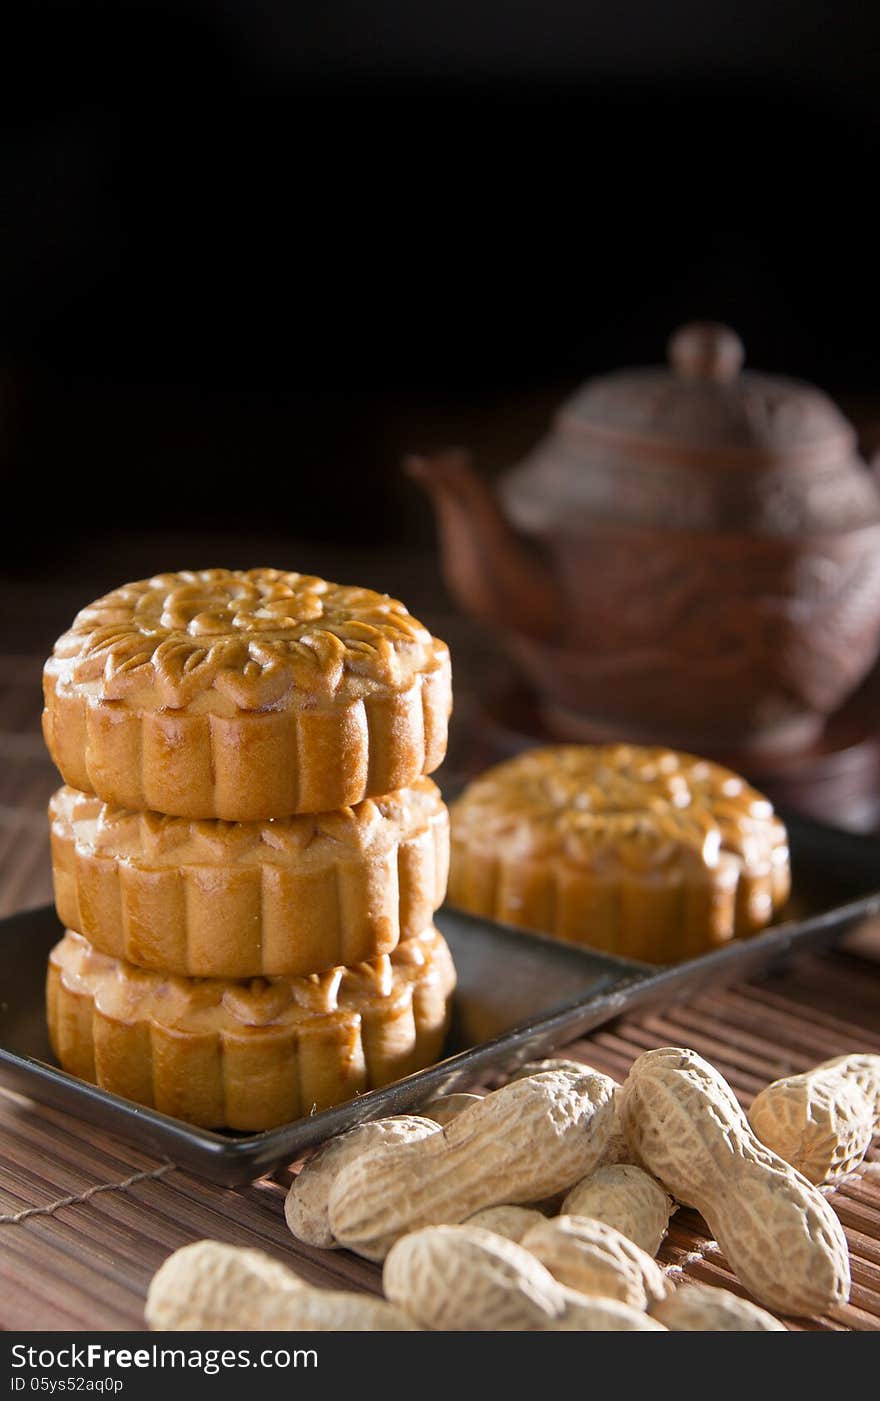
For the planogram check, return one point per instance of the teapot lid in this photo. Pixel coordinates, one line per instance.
(698, 444)
(703, 404)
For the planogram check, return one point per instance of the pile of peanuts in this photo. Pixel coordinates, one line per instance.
(460, 1203)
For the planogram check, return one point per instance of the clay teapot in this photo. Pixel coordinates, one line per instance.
(691, 556)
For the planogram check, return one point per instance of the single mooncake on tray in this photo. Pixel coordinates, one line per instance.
(642, 852)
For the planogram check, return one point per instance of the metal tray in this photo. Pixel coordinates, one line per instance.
(520, 996)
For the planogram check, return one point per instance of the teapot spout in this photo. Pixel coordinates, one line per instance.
(494, 574)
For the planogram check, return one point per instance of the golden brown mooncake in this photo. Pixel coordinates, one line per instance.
(245, 695)
(642, 852)
(247, 1055)
(249, 899)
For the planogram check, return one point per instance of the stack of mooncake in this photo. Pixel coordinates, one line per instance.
(247, 851)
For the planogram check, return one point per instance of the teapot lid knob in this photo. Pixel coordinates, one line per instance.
(706, 350)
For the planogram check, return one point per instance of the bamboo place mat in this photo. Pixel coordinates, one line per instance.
(86, 1219)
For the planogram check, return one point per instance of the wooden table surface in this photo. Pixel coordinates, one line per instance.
(85, 1219)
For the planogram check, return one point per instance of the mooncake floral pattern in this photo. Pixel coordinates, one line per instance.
(621, 804)
(253, 635)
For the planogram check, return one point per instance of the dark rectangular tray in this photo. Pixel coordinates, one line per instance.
(520, 996)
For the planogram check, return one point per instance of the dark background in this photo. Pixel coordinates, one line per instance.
(251, 252)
